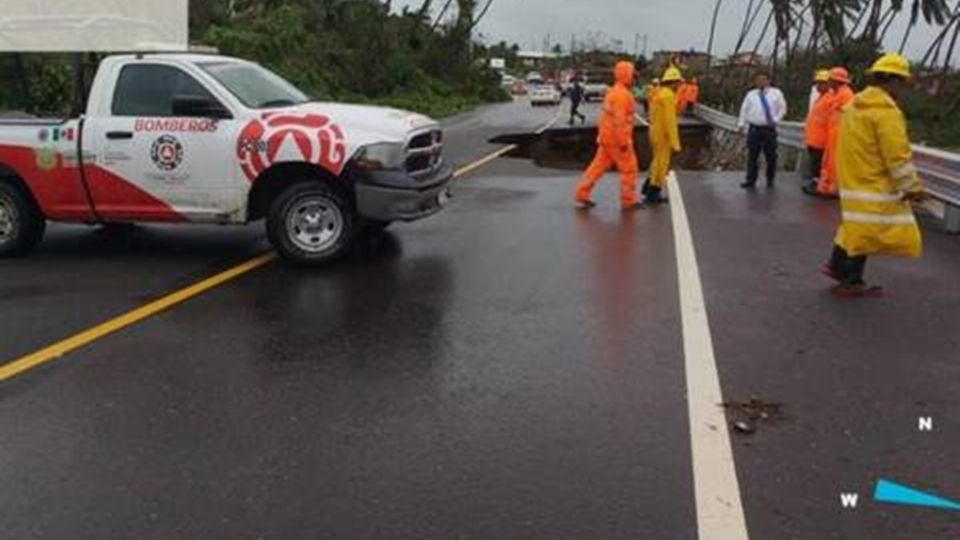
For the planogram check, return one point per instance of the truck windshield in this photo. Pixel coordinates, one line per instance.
(256, 87)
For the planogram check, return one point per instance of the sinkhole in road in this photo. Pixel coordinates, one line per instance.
(572, 148)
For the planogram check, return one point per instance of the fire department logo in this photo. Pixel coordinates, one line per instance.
(166, 153)
(276, 137)
(46, 159)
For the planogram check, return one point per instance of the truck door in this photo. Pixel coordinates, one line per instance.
(164, 151)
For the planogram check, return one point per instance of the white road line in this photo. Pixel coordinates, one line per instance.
(550, 124)
(719, 509)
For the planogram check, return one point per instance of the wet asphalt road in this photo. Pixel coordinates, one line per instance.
(854, 376)
(507, 369)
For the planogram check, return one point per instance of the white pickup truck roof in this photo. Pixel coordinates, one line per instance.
(182, 57)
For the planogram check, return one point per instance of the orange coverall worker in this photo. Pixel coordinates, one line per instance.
(687, 96)
(817, 132)
(664, 136)
(842, 96)
(615, 140)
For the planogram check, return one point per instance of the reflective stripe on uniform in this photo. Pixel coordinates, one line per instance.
(904, 172)
(867, 196)
(896, 219)
(907, 177)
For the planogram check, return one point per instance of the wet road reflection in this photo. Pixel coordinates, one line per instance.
(358, 316)
(613, 275)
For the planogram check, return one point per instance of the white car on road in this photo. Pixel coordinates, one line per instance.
(595, 90)
(545, 94)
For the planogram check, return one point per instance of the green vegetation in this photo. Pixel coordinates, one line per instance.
(798, 37)
(356, 51)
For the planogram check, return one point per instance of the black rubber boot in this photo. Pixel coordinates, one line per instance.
(654, 196)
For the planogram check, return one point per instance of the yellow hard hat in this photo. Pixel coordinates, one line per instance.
(893, 64)
(822, 76)
(672, 75)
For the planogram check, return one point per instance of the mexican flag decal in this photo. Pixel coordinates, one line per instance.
(60, 134)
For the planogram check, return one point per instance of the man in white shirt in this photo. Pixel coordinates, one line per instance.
(763, 108)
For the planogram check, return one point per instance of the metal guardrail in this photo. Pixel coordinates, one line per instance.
(939, 170)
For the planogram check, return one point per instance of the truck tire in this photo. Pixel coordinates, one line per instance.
(21, 223)
(310, 225)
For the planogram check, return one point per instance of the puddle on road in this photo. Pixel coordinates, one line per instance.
(572, 148)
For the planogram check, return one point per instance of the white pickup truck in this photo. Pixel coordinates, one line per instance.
(209, 139)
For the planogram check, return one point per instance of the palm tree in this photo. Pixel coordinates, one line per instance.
(933, 11)
(932, 56)
(713, 33)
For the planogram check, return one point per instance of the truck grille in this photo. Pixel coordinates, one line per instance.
(425, 153)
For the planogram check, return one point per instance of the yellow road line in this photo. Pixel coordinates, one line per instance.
(59, 349)
(48, 354)
(484, 160)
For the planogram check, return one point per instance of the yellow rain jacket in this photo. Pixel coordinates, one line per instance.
(875, 169)
(664, 134)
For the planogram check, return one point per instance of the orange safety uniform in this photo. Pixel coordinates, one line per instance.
(817, 126)
(687, 95)
(615, 140)
(828, 175)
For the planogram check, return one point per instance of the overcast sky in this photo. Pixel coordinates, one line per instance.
(668, 24)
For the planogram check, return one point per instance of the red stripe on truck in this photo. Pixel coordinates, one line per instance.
(119, 200)
(58, 189)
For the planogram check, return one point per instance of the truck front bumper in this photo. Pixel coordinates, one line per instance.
(395, 196)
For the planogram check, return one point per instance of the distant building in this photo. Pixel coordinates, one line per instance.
(745, 59)
(534, 59)
(694, 61)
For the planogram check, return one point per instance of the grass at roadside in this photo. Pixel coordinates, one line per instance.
(432, 107)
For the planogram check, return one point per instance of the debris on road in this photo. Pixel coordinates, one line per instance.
(746, 416)
(745, 427)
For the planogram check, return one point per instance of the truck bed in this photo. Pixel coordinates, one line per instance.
(7, 119)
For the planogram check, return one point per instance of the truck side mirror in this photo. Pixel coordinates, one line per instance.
(199, 107)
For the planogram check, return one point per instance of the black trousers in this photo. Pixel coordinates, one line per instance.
(816, 161)
(850, 269)
(575, 111)
(761, 139)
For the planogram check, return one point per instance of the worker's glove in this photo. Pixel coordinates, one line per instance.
(916, 196)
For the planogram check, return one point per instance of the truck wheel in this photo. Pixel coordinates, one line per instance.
(310, 225)
(21, 223)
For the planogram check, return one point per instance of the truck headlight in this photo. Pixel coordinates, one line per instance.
(381, 156)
